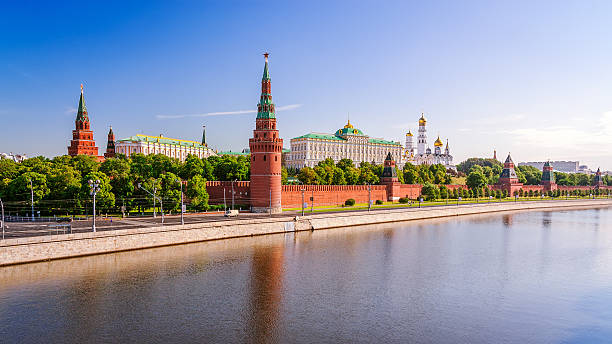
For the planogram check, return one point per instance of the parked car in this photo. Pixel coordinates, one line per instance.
(231, 213)
(63, 219)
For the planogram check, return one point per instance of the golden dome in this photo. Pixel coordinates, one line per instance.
(348, 125)
(409, 133)
(438, 142)
(422, 120)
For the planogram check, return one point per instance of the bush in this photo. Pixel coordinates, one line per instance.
(349, 202)
(379, 202)
(404, 200)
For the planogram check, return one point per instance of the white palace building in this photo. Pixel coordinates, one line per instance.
(348, 142)
(174, 148)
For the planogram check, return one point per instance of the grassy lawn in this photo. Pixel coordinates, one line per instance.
(458, 180)
(415, 204)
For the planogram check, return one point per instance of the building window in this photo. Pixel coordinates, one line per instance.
(264, 157)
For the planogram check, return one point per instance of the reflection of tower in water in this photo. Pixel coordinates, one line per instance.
(507, 220)
(266, 287)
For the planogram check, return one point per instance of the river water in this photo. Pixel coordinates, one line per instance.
(527, 277)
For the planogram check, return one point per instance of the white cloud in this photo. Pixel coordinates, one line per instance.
(226, 113)
(70, 111)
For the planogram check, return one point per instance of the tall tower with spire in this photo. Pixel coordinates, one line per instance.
(110, 144)
(82, 137)
(266, 149)
(422, 138)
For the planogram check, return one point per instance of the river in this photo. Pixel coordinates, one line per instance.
(525, 277)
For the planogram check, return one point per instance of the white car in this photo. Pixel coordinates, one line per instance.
(231, 213)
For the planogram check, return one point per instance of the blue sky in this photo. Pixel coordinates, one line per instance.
(527, 77)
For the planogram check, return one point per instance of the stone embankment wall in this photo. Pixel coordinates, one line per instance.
(15, 251)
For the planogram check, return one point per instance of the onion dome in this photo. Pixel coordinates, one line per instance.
(409, 133)
(438, 142)
(422, 120)
(348, 125)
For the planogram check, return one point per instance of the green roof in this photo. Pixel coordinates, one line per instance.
(82, 112)
(163, 140)
(266, 74)
(337, 138)
(234, 153)
(349, 131)
(385, 142)
(285, 150)
(320, 137)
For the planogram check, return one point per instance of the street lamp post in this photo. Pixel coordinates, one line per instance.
(32, 198)
(94, 188)
(369, 197)
(303, 200)
(161, 203)
(2, 223)
(182, 206)
(233, 193)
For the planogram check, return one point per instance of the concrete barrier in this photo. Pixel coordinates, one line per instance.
(32, 249)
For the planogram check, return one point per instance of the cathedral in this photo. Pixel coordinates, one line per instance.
(423, 154)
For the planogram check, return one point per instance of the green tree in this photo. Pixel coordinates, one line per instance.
(105, 199)
(429, 191)
(307, 176)
(476, 179)
(192, 166)
(196, 192)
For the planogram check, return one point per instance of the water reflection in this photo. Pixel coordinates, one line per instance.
(265, 293)
(512, 277)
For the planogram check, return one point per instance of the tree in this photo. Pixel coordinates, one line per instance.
(192, 166)
(429, 192)
(170, 191)
(307, 176)
(105, 199)
(196, 192)
(284, 175)
(19, 188)
(476, 179)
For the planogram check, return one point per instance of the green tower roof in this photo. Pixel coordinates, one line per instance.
(266, 73)
(82, 112)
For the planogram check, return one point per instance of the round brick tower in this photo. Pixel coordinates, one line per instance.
(266, 149)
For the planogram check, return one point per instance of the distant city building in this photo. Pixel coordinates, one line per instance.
(559, 166)
(82, 137)
(174, 148)
(423, 154)
(14, 157)
(346, 143)
(584, 169)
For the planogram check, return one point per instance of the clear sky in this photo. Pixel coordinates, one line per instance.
(528, 77)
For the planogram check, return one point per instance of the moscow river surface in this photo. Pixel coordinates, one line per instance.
(528, 277)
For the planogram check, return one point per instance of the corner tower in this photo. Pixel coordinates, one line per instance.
(82, 137)
(266, 149)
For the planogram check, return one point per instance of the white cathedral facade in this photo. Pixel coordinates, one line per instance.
(423, 154)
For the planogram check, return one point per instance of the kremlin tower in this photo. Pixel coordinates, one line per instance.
(110, 144)
(508, 180)
(548, 177)
(266, 149)
(82, 137)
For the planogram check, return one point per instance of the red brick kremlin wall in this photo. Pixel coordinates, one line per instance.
(329, 195)
(215, 192)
